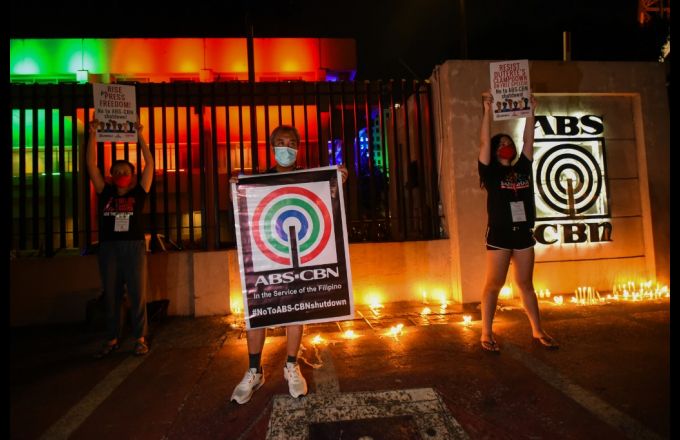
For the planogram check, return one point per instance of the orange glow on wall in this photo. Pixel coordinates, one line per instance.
(288, 56)
(227, 55)
(131, 56)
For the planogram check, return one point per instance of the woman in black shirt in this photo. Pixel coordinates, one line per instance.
(511, 214)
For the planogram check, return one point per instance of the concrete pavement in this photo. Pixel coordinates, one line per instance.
(610, 379)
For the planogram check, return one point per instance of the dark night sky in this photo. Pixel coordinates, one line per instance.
(395, 39)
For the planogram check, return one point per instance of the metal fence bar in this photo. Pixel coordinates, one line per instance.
(22, 173)
(424, 211)
(151, 139)
(317, 104)
(215, 169)
(267, 150)
(308, 150)
(164, 143)
(47, 201)
(201, 169)
(75, 170)
(190, 168)
(35, 173)
(62, 170)
(408, 192)
(178, 168)
(395, 161)
(85, 180)
(434, 188)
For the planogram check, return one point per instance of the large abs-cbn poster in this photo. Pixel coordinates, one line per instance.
(292, 248)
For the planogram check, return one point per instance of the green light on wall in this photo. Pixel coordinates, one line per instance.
(24, 57)
(26, 67)
(59, 56)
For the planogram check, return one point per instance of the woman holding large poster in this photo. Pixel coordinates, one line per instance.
(511, 214)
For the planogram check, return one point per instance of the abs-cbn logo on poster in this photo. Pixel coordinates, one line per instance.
(292, 227)
(570, 174)
(303, 275)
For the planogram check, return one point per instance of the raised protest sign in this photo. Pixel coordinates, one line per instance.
(292, 248)
(115, 107)
(510, 89)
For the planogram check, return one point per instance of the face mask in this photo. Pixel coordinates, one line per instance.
(122, 181)
(285, 156)
(506, 152)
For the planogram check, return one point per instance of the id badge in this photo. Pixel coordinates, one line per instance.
(517, 210)
(122, 223)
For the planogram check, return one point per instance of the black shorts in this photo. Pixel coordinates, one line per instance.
(511, 237)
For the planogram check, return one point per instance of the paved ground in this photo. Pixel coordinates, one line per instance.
(609, 380)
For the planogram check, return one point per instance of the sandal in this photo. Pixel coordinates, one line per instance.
(141, 348)
(106, 350)
(491, 346)
(547, 342)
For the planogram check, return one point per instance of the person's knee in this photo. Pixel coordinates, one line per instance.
(494, 284)
(526, 286)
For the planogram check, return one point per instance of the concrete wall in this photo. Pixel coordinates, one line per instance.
(385, 272)
(44, 291)
(633, 99)
(55, 290)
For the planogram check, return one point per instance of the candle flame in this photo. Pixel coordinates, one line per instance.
(396, 330)
(349, 334)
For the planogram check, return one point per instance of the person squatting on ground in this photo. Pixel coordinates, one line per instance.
(284, 141)
(122, 248)
(511, 213)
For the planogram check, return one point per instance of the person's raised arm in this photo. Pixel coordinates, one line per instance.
(529, 125)
(91, 158)
(485, 130)
(147, 173)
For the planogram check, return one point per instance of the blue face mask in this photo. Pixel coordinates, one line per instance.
(285, 156)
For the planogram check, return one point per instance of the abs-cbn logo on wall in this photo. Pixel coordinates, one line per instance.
(570, 174)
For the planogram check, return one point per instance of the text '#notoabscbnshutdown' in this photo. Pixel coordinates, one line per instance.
(299, 307)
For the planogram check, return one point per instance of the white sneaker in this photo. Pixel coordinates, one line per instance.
(249, 384)
(297, 385)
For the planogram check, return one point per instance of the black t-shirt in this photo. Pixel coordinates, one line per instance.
(505, 185)
(274, 170)
(120, 217)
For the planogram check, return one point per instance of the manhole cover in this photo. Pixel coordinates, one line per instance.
(418, 414)
(383, 428)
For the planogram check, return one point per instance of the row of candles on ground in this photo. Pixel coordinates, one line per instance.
(630, 291)
(621, 292)
(394, 331)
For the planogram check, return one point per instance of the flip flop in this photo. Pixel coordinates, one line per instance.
(141, 348)
(547, 342)
(106, 350)
(490, 346)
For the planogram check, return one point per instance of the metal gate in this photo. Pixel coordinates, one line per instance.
(202, 134)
